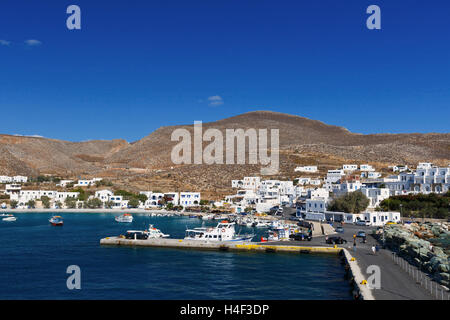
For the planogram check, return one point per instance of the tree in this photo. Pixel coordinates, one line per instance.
(169, 206)
(13, 204)
(133, 203)
(109, 204)
(70, 202)
(58, 204)
(352, 202)
(204, 202)
(94, 203)
(31, 203)
(45, 202)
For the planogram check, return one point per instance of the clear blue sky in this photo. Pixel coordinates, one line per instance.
(137, 65)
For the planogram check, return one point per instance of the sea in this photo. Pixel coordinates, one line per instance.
(35, 257)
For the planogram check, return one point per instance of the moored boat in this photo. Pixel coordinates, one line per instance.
(151, 233)
(224, 231)
(126, 217)
(56, 221)
(8, 217)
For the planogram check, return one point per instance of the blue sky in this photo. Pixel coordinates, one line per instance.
(137, 65)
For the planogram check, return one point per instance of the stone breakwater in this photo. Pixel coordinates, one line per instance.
(424, 245)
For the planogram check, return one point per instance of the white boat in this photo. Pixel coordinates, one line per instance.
(124, 218)
(6, 215)
(10, 218)
(280, 231)
(224, 231)
(208, 217)
(262, 224)
(155, 233)
(151, 233)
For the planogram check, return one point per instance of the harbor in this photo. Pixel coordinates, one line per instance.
(215, 245)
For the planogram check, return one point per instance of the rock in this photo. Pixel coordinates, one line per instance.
(444, 267)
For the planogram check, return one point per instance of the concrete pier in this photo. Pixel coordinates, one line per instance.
(217, 245)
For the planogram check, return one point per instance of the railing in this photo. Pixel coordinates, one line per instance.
(436, 290)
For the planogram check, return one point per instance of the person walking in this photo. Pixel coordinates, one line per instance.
(354, 242)
(374, 250)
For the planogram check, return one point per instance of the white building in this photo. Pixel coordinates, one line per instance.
(118, 202)
(188, 199)
(5, 179)
(370, 174)
(64, 183)
(375, 195)
(427, 180)
(85, 183)
(334, 175)
(400, 168)
(424, 165)
(366, 167)
(19, 179)
(346, 186)
(378, 218)
(104, 195)
(13, 190)
(309, 169)
(317, 205)
(350, 167)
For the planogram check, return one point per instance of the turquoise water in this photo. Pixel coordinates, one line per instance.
(34, 257)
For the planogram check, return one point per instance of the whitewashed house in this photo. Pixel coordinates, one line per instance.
(375, 195)
(424, 165)
(346, 186)
(366, 167)
(19, 179)
(13, 190)
(350, 167)
(5, 179)
(64, 183)
(370, 174)
(188, 199)
(104, 195)
(334, 176)
(308, 169)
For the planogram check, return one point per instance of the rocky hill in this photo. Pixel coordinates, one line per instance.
(147, 164)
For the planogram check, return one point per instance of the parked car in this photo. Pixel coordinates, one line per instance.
(361, 234)
(391, 222)
(340, 229)
(362, 223)
(300, 236)
(335, 240)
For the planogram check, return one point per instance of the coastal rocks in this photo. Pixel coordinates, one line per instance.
(423, 245)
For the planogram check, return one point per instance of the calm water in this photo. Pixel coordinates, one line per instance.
(34, 257)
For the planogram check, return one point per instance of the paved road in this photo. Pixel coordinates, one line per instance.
(396, 284)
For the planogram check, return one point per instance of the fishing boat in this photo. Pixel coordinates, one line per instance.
(208, 217)
(224, 231)
(126, 217)
(151, 233)
(56, 221)
(8, 217)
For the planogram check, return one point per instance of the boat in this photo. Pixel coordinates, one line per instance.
(56, 221)
(261, 224)
(155, 233)
(208, 217)
(126, 217)
(224, 231)
(8, 217)
(150, 233)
